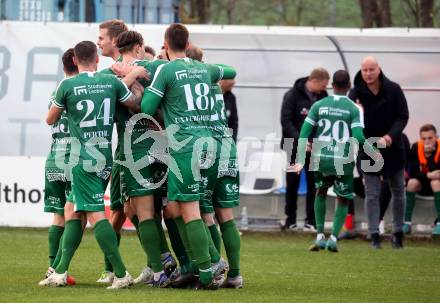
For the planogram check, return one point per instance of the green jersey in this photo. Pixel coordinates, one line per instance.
(219, 125)
(334, 118)
(184, 86)
(60, 134)
(123, 115)
(59, 150)
(219, 121)
(90, 100)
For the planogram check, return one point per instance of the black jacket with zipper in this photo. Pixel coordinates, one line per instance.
(384, 114)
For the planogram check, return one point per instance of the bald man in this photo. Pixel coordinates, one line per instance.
(386, 115)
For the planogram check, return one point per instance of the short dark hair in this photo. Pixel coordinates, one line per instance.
(341, 79)
(177, 36)
(150, 50)
(85, 52)
(195, 53)
(69, 67)
(126, 41)
(319, 74)
(114, 27)
(427, 128)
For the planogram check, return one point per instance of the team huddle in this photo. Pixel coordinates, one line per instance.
(175, 162)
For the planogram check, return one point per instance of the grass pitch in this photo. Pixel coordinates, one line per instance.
(276, 268)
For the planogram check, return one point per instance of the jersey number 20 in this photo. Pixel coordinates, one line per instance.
(330, 132)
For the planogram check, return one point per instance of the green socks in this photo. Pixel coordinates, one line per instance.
(176, 242)
(108, 264)
(71, 239)
(213, 252)
(54, 235)
(183, 236)
(164, 248)
(320, 209)
(108, 242)
(199, 247)
(339, 217)
(215, 236)
(59, 254)
(437, 204)
(410, 203)
(135, 222)
(150, 241)
(232, 242)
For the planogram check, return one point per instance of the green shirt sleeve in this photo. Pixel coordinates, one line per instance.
(122, 91)
(52, 98)
(150, 102)
(158, 85)
(357, 115)
(60, 96)
(221, 71)
(152, 68)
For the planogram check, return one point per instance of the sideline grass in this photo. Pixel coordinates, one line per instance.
(276, 267)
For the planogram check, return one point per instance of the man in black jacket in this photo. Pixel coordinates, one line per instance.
(296, 105)
(230, 106)
(386, 115)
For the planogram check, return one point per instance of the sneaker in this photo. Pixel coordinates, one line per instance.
(375, 241)
(236, 282)
(169, 264)
(309, 228)
(123, 282)
(220, 267)
(162, 280)
(145, 277)
(331, 245)
(381, 227)
(318, 245)
(288, 225)
(436, 230)
(54, 280)
(106, 277)
(215, 284)
(70, 280)
(180, 280)
(49, 271)
(397, 240)
(406, 228)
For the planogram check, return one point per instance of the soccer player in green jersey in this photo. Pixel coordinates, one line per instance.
(337, 119)
(221, 192)
(182, 88)
(89, 99)
(56, 185)
(108, 33)
(140, 192)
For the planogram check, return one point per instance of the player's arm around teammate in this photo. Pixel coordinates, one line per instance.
(140, 190)
(176, 83)
(221, 186)
(100, 94)
(57, 184)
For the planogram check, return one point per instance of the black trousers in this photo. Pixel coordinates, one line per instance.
(292, 185)
(384, 198)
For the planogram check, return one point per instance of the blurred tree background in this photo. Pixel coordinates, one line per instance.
(327, 13)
